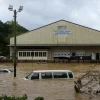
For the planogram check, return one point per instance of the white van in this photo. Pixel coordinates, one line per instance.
(50, 74)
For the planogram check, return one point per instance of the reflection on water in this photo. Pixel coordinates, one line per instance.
(58, 89)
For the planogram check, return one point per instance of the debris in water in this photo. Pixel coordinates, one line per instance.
(89, 83)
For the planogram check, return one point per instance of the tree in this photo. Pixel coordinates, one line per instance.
(6, 31)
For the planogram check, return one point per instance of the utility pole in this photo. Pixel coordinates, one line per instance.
(15, 43)
(15, 13)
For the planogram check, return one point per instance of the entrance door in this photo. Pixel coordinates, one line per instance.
(97, 56)
(73, 54)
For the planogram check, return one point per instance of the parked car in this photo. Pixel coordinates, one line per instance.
(50, 74)
(6, 70)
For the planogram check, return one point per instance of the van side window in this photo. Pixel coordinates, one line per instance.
(35, 76)
(70, 74)
(60, 75)
(46, 75)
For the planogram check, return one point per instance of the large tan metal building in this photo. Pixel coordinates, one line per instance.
(61, 39)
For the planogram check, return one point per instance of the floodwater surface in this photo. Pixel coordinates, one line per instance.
(50, 89)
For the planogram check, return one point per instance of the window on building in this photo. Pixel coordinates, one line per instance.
(81, 54)
(44, 54)
(36, 54)
(28, 54)
(32, 54)
(62, 28)
(40, 54)
(24, 54)
(20, 54)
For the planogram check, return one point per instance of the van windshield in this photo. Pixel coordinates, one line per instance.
(35, 76)
(29, 76)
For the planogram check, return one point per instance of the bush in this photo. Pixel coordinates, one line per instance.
(5, 97)
(24, 97)
(39, 98)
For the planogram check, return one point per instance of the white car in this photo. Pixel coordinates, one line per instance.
(6, 70)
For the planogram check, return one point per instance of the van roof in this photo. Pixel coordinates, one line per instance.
(52, 71)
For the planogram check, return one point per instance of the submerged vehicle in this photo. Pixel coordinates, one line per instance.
(6, 70)
(50, 74)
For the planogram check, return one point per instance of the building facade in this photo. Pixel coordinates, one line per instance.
(59, 40)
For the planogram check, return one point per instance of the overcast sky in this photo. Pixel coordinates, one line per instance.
(37, 13)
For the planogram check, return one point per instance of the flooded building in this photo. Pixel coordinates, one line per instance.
(58, 40)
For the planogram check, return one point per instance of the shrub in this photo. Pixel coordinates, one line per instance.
(24, 97)
(5, 97)
(39, 98)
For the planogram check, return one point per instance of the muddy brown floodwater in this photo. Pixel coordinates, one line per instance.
(58, 89)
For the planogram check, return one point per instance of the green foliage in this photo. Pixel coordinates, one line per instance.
(24, 97)
(39, 98)
(6, 31)
(5, 97)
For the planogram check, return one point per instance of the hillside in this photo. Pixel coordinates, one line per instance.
(6, 31)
